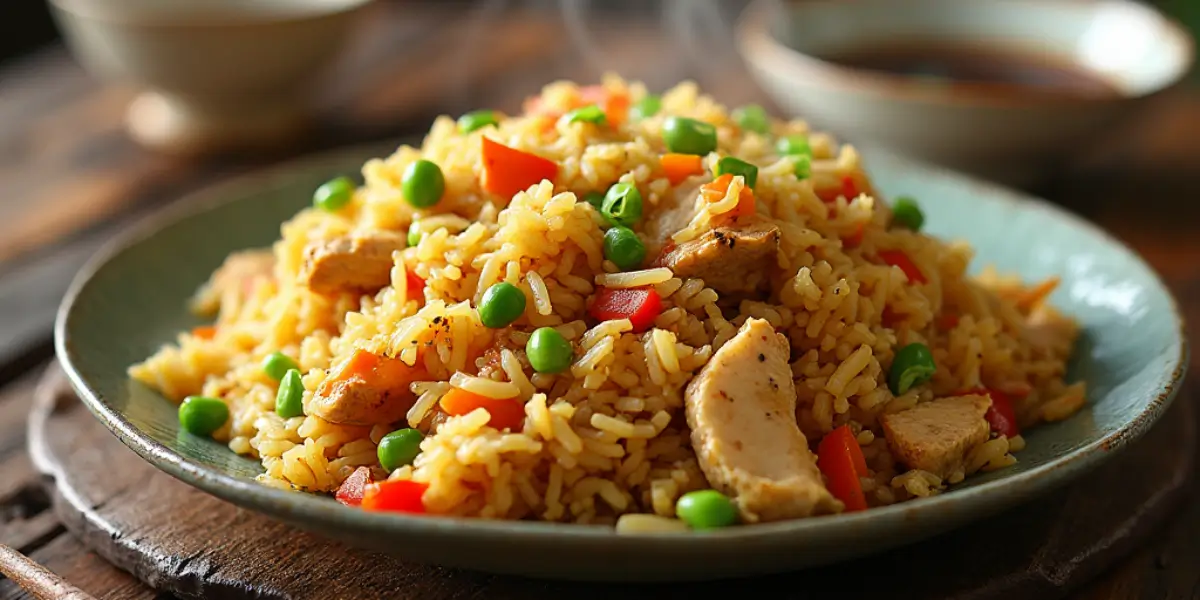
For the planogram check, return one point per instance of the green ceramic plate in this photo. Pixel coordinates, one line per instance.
(131, 299)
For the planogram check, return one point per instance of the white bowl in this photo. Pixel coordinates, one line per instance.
(1011, 138)
(216, 74)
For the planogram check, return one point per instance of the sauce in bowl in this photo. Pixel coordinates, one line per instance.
(1002, 70)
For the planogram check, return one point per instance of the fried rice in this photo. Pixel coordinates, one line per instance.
(609, 437)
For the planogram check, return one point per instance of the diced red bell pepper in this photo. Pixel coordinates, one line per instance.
(947, 321)
(640, 305)
(898, 258)
(1000, 415)
(414, 283)
(395, 496)
(842, 462)
(856, 238)
(507, 171)
(849, 188)
(889, 318)
(351, 491)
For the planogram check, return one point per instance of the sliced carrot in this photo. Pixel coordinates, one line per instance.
(1030, 297)
(205, 332)
(679, 167)
(716, 189)
(505, 413)
(616, 108)
(380, 372)
(507, 171)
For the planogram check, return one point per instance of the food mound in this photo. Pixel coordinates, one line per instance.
(617, 308)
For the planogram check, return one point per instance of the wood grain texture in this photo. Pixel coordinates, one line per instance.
(162, 531)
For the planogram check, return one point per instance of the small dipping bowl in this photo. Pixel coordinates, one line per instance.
(1013, 134)
(215, 74)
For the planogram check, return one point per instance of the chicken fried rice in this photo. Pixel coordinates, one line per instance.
(617, 308)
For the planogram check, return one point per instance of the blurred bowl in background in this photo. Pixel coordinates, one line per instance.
(215, 74)
(1000, 88)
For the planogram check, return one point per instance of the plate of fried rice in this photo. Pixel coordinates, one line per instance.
(621, 335)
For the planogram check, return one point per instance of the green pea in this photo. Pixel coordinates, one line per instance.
(622, 204)
(623, 247)
(586, 114)
(689, 136)
(907, 213)
(414, 234)
(277, 364)
(399, 448)
(913, 365)
(201, 415)
(501, 304)
(334, 194)
(477, 120)
(645, 108)
(752, 117)
(422, 184)
(794, 145)
(802, 167)
(735, 166)
(594, 198)
(706, 509)
(289, 400)
(548, 351)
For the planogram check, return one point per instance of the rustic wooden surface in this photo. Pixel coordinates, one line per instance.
(71, 178)
(162, 530)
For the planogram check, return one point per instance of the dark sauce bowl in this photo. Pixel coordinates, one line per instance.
(1005, 89)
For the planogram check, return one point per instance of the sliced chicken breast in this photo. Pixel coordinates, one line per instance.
(357, 263)
(936, 436)
(741, 408)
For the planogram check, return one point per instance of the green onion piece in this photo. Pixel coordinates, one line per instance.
(736, 166)
(802, 167)
(794, 145)
(477, 120)
(645, 108)
(586, 114)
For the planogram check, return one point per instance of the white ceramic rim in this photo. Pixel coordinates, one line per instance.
(759, 45)
(311, 11)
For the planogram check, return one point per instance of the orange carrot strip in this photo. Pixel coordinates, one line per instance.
(205, 332)
(681, 166)
(506, 413)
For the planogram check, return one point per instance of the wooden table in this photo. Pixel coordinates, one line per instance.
(71, 178)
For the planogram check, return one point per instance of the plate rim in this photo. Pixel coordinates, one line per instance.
(991, 496)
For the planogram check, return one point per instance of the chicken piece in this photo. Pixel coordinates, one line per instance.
(936, 436)
(672, 214)
(358, 263)
(741, 408)
(731, 261)
(238, 274)
(355, 401)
